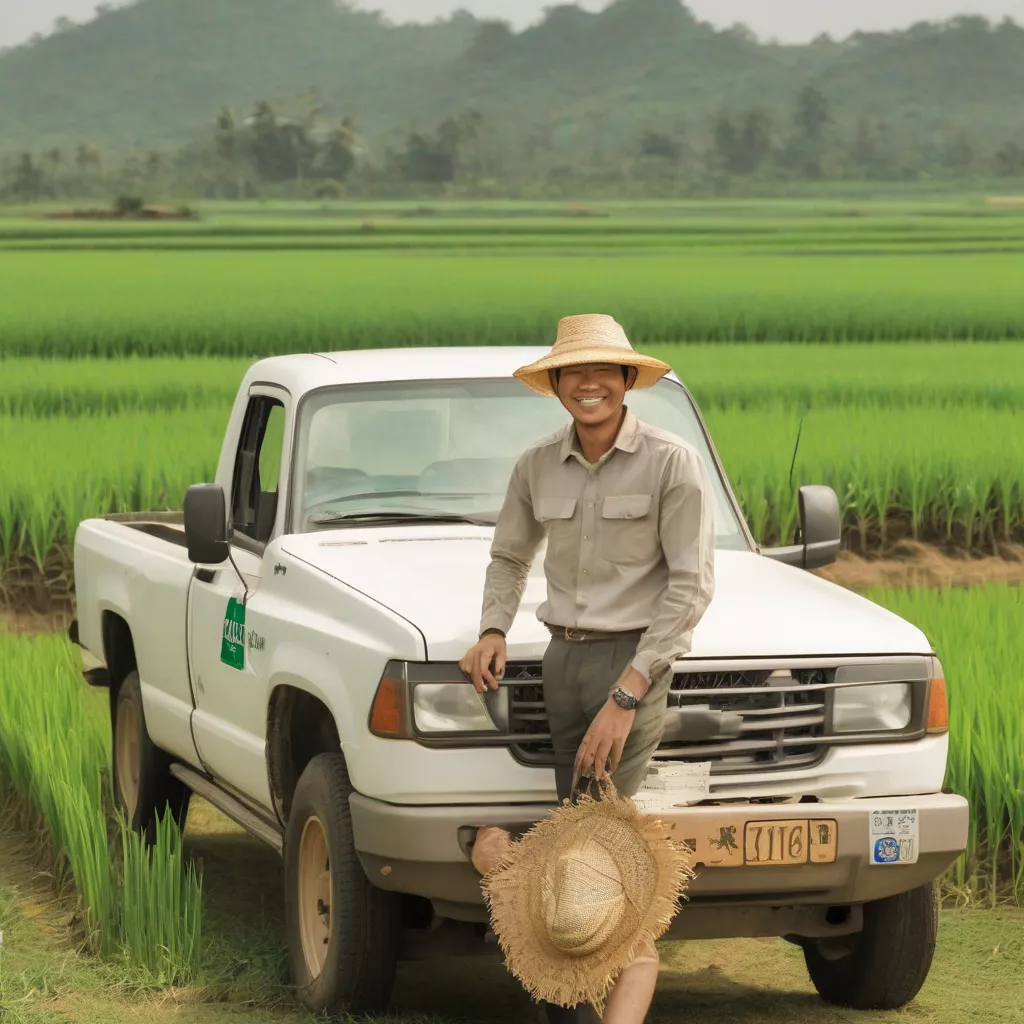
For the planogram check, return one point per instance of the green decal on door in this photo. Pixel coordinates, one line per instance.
(232, 646)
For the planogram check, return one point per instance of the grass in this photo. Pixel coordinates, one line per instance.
(978, 637)
(890, 375)
(137, 905)
(978, 973)
(954, 475)
(254, 303)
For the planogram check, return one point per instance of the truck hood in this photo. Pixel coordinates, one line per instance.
(434, 576)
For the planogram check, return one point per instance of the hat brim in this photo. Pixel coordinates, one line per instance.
(512, 892)
(537, 376)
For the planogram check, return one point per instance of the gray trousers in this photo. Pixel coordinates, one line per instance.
(578, 677)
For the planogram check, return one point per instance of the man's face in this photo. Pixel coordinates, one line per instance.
(593, 393)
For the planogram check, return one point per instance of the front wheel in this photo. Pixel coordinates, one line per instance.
(342, 932)
(888, 961)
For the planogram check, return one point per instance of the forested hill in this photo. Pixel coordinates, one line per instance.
(159, 72)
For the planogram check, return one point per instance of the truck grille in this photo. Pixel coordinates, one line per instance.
(775, 729)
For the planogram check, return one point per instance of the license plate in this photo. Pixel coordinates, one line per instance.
(735, 842)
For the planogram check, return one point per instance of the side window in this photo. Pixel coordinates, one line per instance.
(257, 473)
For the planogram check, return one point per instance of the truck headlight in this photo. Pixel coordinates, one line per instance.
(885, 708)
(434, 701)
(457, 707)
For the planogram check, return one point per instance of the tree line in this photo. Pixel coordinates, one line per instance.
(300, 152)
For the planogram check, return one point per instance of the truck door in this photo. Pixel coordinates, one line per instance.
(227, 621)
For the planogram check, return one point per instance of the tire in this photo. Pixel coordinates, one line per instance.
(890, 958)
(141, 772)
(342, 932)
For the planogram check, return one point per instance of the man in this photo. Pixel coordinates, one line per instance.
(628, 515)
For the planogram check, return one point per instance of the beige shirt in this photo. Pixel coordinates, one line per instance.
(631, 540)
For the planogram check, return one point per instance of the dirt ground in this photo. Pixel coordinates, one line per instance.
(978, 974)
(910, 563)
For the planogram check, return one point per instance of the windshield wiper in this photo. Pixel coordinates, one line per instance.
(397, 518)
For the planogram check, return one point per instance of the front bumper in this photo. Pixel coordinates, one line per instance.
(422, 851)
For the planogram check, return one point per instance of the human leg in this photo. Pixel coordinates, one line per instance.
(631, 998)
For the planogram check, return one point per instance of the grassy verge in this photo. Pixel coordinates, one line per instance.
(978, 974)
(977, 635)
(136, 905)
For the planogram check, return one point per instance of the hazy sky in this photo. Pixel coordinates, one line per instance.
(789, 20)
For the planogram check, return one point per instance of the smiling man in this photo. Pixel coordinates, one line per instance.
(628, 515)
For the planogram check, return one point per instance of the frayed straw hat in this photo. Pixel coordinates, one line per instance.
(575, 900)
(594, 338)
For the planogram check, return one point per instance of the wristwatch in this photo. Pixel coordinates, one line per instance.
(626, 700)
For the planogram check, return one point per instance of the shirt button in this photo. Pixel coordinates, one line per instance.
(585, 537)
(586, 572)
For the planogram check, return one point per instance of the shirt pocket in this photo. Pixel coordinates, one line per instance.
(629, 532)
(556, 516)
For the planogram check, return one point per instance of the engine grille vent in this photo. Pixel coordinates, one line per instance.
(766, 724)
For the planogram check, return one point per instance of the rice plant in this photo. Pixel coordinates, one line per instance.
(730, 375)
(142, 905)
(978, 637)
(951, 474)
(245, 303)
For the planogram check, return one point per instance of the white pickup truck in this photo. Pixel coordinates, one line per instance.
(286, 648)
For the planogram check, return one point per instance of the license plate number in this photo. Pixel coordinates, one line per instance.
(733, 843)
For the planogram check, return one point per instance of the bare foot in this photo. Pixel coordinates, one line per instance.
(489, 849)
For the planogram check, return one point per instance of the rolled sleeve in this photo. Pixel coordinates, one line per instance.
(517, 538)
(687, 533)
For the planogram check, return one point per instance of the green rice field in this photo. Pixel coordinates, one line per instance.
(925, 439)
(153, 302)
(888, 336)
(284, 279)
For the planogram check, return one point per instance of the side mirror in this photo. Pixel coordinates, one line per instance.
(821, 530)
(206, 524)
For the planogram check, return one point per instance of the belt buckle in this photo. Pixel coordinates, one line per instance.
(574, 634)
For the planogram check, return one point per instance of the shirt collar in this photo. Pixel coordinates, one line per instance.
(626, 441)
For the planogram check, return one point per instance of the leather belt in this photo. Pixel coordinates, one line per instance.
(577, 635)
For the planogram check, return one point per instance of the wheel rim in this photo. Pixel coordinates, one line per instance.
(127, 741)
(315, 895)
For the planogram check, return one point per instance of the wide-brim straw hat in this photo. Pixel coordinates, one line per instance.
(575, 900)
(594, 338)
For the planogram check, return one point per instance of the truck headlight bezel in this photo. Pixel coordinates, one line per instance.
(872, 702)
(426, 701)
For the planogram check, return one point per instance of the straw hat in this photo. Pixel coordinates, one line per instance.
(573, 902)
(594, 338)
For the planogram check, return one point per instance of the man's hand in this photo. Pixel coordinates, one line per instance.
(601, 749)
(484, 662)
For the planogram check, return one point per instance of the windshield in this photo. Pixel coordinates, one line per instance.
(447, 448)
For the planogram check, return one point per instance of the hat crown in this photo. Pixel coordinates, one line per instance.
(589, 331)
(584, 898)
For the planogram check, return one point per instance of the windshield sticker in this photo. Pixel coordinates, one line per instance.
(232, 646)
(256, 642)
